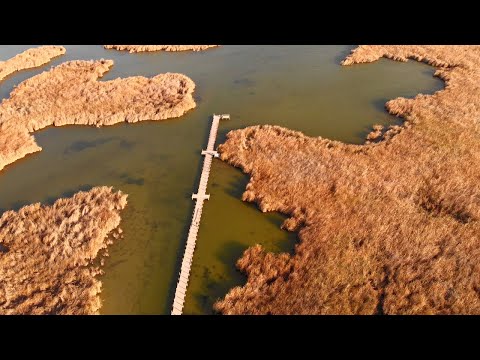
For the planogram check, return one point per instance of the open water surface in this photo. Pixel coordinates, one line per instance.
(158, 163)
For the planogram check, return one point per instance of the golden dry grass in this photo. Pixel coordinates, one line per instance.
(145, 48)
(71, 94)
(47, 253)
(30, 58)
(389, 227)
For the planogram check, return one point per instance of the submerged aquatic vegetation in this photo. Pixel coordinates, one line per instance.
(388, 227)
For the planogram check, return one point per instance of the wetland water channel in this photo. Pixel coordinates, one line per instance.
(158, 164)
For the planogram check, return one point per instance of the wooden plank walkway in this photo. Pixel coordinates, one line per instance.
(200, 197)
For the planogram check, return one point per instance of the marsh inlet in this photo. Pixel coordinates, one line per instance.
(158, 163)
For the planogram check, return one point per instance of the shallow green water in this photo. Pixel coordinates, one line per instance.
(158, 163)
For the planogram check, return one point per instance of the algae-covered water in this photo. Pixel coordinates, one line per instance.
(158, 163)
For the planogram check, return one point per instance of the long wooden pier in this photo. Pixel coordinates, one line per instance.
(200, 197)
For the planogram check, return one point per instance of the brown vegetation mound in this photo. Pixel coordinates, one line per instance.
(385, 228)
(143, 48)
(71, 94)
(46, 253)
(29, 59)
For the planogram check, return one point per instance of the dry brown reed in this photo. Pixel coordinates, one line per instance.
(389, 227)
(144, 48)
(71, 94)
(30, 58)
(47, 253)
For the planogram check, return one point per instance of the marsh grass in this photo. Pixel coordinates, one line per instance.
(50, 254)
(388, 227)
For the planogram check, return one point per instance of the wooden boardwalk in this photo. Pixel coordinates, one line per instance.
(200, 197)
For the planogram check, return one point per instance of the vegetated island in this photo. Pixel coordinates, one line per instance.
(47, 253)
(70, 94)
(30, 58)
(146, 48)
(390, 227)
